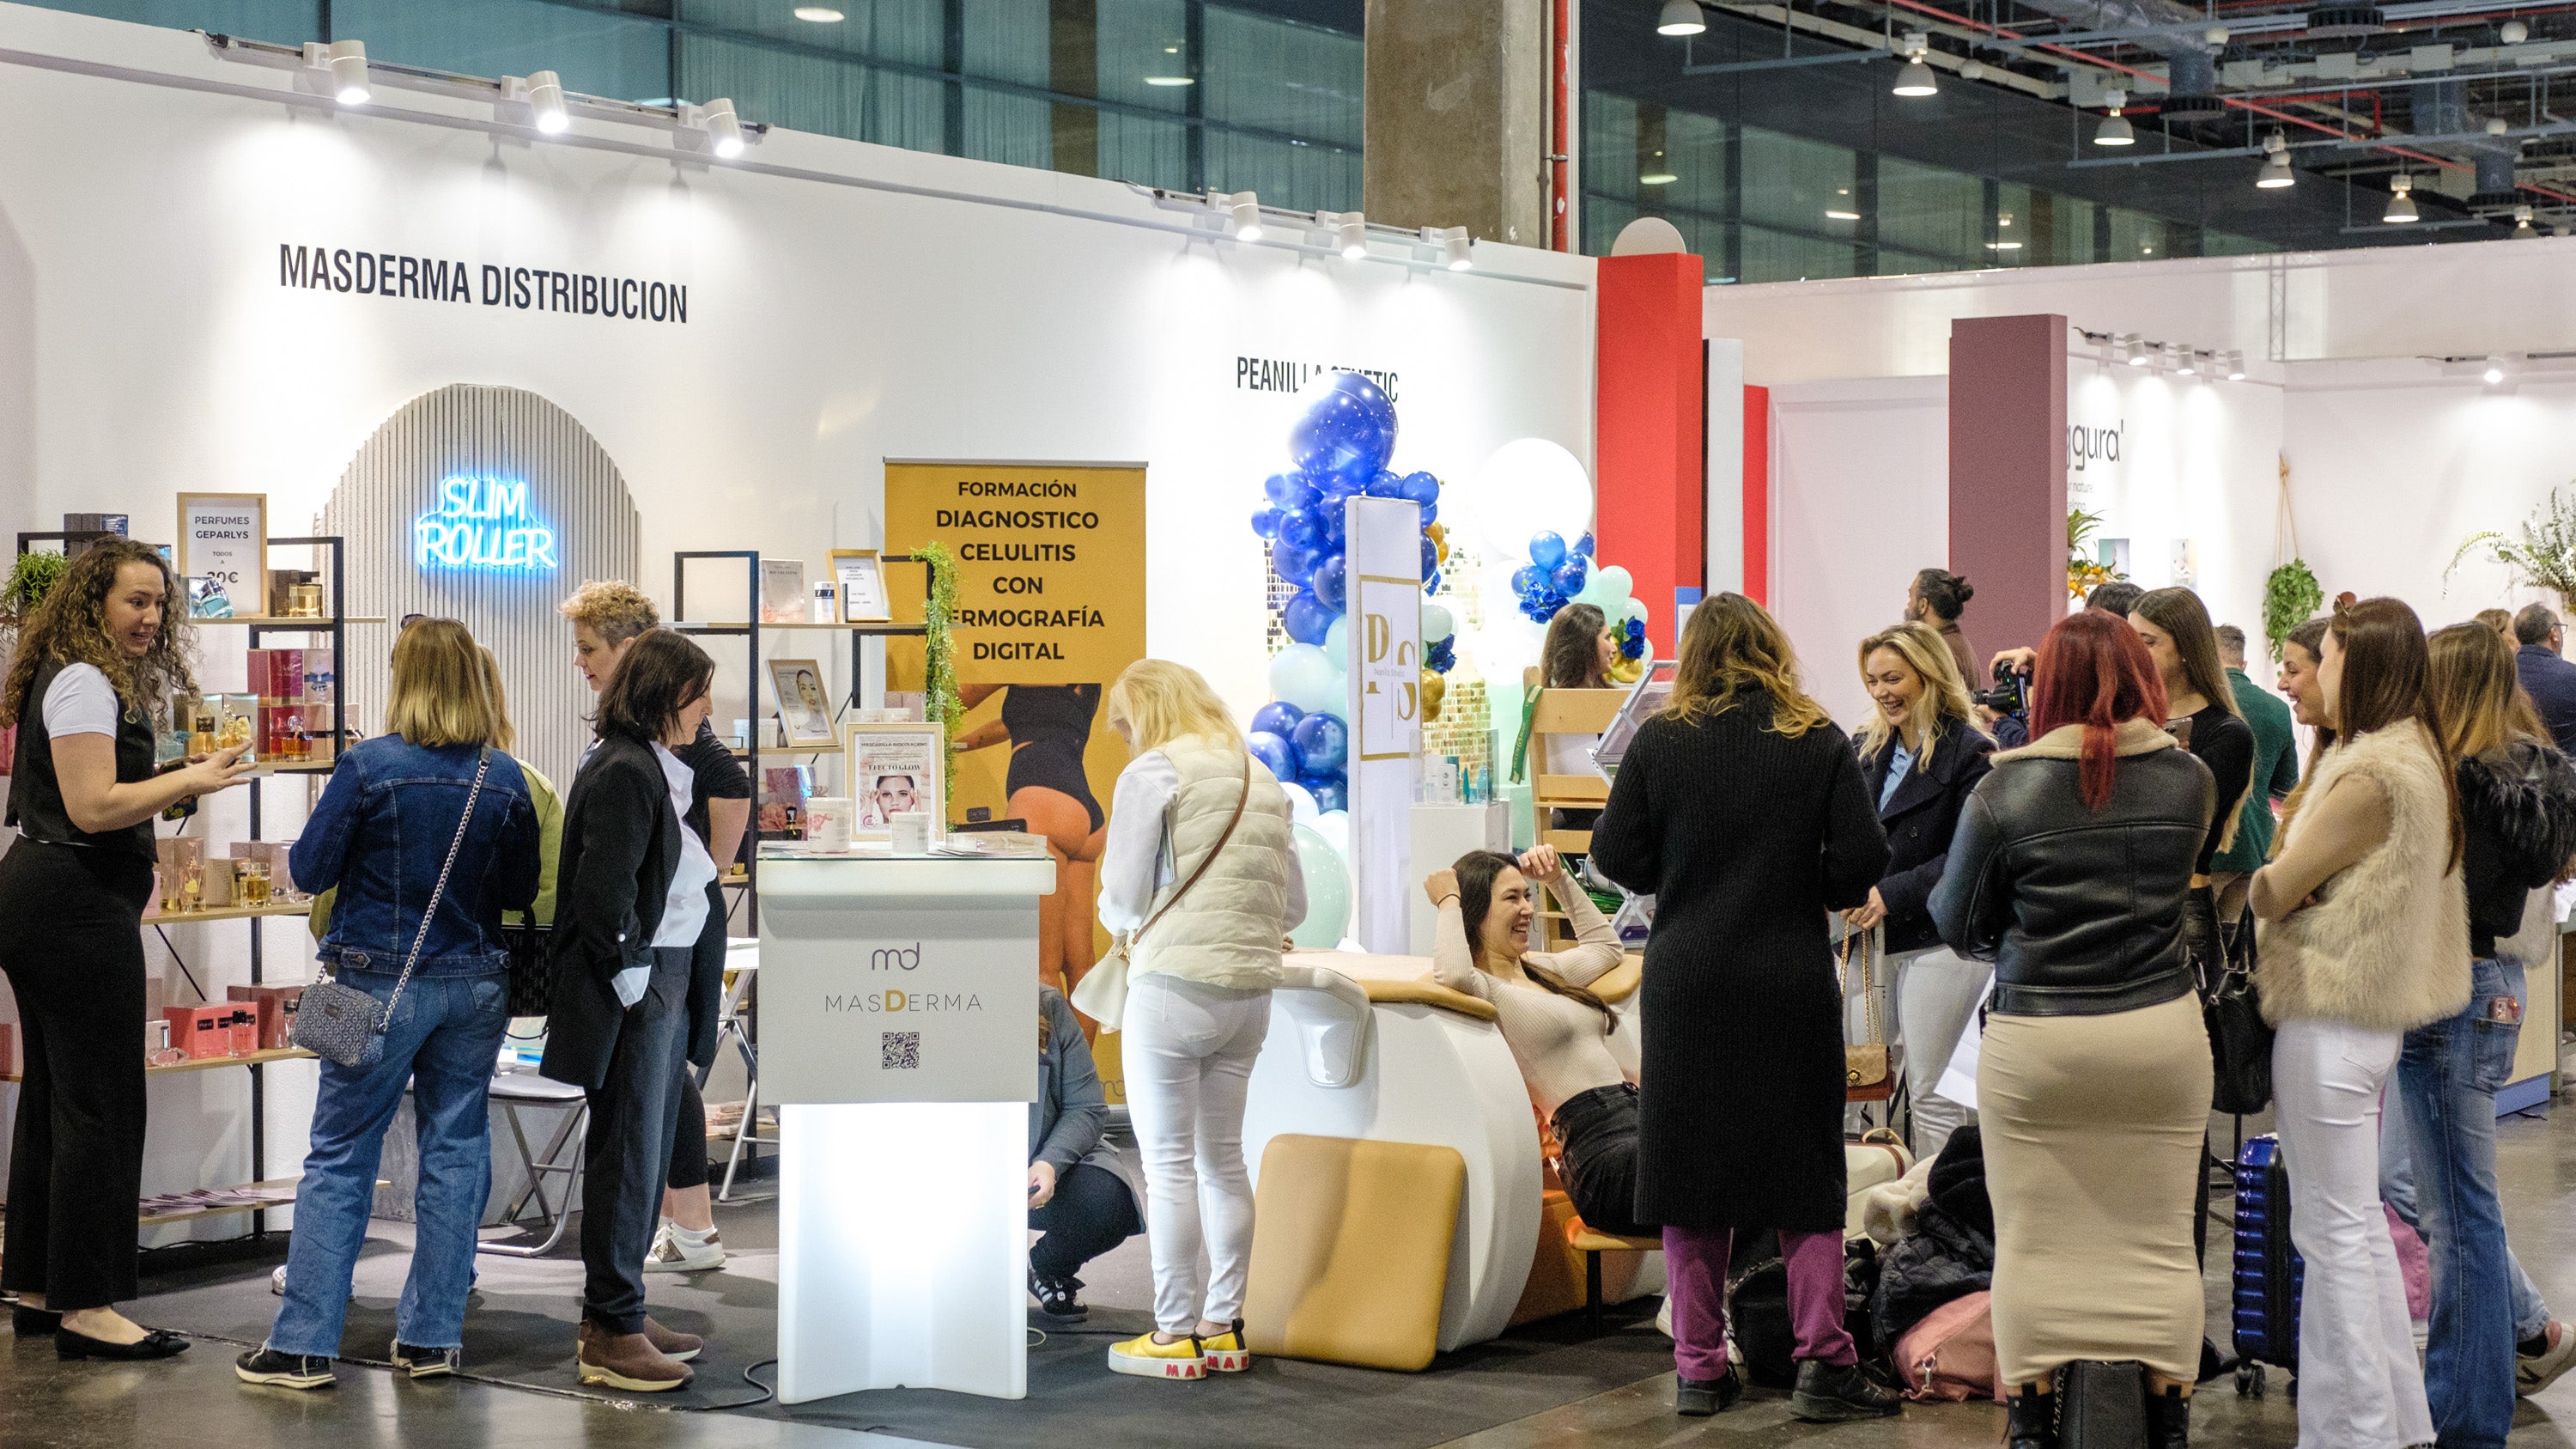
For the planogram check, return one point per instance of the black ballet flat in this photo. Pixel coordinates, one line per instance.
(159, 1343)
(33, 1322)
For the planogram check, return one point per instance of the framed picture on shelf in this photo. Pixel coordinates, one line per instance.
(783, 598)
(804, 704)
(896, 769)
(223, 538)
(861, 577)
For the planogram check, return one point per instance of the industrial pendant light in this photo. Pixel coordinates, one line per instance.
(1917, 78)
(1681, 17)
(2276, 164)
(2115, 129)
(2401, 200)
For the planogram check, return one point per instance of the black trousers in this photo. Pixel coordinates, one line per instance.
(71, 944)
(689, 1109)
(628, 1148)
(1092, 1212)
(1599, 1131)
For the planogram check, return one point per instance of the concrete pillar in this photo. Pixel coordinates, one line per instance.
(1457, 117)
(2008, 475)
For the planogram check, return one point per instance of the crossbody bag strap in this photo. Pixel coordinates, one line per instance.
(1205, 861)
(438, 892)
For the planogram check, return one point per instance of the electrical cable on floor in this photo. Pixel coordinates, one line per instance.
(767, 1391)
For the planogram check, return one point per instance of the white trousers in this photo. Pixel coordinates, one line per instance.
(1937, 992)
(1188, 1056)
(2359, 1384)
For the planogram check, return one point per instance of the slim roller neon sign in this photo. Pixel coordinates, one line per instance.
(482, 524)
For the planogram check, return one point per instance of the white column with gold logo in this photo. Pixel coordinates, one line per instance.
(898, 1040)
(1383, 544)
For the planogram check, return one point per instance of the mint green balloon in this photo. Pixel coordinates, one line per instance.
(1328, 892)
(1337, 645)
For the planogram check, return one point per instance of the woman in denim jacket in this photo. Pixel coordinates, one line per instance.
(381, 835)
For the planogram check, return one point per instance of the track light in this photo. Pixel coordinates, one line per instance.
(2401, 200)
(1351, 233)
(1243, 212)
(2115, 129)
(2235, 365)
(349, 72)
(2135, 349)
(724, 128)
(2522, 222)
(1457, 253)
(546, 100)
(2276, 164)
(2186, 362)
(2495, 368)
(1681, 17)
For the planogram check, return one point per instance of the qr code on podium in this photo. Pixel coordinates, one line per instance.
(900, 1051)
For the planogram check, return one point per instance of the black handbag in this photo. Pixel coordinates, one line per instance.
(2240, 1040)
(532, 972)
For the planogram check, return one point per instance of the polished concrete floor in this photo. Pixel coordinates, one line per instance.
(194, 1401)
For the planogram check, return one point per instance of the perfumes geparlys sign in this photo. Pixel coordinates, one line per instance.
(922, 994)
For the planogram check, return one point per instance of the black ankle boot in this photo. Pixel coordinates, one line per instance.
(2033, 1421)
(2168, 1419)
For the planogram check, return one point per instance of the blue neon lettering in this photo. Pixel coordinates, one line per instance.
(483, 523)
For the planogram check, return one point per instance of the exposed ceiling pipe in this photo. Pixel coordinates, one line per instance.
(2193, 72)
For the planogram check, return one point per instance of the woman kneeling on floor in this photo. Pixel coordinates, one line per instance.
(1082, 1194)
(1580, 1070)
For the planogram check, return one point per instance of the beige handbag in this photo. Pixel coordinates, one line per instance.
(1865, 1074)
(1101, 994)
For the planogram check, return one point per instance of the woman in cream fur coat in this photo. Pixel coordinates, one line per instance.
(2365, 936)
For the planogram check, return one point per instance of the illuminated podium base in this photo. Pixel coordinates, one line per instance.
(898, 1021)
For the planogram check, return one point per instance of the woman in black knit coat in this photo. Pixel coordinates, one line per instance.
(1741, 807)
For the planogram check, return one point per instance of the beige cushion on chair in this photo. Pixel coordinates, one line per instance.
(1350, 1255)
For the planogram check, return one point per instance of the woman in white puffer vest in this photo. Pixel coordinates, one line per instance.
(2365, 936)
(1199, 850)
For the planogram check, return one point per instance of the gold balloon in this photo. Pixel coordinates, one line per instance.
(1434, 690)
(1439, 540)
(1627, 670)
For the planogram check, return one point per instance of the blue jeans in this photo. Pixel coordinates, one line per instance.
(2448, 1076)
(445, 1034)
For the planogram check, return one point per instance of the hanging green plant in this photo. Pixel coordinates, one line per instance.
(31, 578)
(2544, 553)
(2291, 597)
(939, 666)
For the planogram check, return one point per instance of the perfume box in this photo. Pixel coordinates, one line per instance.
(203, 1032)
(273, 1008)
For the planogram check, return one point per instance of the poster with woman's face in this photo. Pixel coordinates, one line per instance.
(892, 773)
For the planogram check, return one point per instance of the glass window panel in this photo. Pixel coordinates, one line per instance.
(1012, 129)
(1144, 150)
(2215, 243)
(2136, 237)
(1141, 42)
(1788, 180)
(814, 93)
(906, 30)
(1694, 155)
(1935, 218)
(1277, 76)
(1609, 149)
(1298, 177)
(1603, 217)
(1006, 40)
(1782, 256)
(600, 53)
(291, 22)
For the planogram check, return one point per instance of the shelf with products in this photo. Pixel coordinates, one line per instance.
(230, 913)
(209, 1064)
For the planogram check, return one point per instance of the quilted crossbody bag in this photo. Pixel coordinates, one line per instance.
(343, 1024)
(1865, 1077)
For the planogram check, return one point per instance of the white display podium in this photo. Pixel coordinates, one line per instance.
(898, 1039)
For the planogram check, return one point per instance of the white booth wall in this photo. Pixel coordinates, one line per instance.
(847, 303)
(2395, 457)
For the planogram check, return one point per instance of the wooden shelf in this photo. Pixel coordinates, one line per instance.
(276, 621)
(208, 1064)
(228, 913)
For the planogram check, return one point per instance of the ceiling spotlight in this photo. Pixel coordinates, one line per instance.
(2276, 164)
(2134, 349)
(349, 72)
(2522, 222)
(819, 14)
(724, 128)
(2401, 200)
(1350, 233)
(2235, 365)
(2215, 36)
(2495, 368)
(1681, 17)
(2513, 32)
(2186, 362)
(1457, 253)
(546, 101)
(2115, 130)
(1243, 209)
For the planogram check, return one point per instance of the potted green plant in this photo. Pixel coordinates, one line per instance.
(2542, 551)
(30, 579)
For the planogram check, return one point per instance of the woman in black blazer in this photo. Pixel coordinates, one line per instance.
(1921, 752)
(632, 897)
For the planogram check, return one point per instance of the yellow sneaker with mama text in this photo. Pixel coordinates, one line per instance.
(1143, 1357)
(1226, 1353)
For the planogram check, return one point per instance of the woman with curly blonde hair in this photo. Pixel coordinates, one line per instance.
(1743, 809)
(98, 661)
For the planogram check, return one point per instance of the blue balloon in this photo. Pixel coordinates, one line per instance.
(1276, 754)
(1331, 582)
(1305, 618)
(1547, 550)
(1277, 717)
(1421, 488)
(1303, 527)
(1383, 484)
(1431, 582)
(1322, 742)
(1584, 548)
(1430, 514)
(1430, 557)
(1348, 430)
(1289, 491)
(1336, 521)
(1568, 578)
(1330, 793)
(1525, 579)
(1265, 522)
(1294, 564)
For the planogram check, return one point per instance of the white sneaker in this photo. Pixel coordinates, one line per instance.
(676, 1250)
(277, 1281)
(2540, 1370)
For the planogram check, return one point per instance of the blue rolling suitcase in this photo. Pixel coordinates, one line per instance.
(2268, 1272)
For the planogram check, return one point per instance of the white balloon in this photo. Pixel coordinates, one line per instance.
(1528, 487)
(1633, 608)
(1301, 675)
(1609, 588)
(1301, 804)
(1335, 827)
(1437, 624)
(1337, 643)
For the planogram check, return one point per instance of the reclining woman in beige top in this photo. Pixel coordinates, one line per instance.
(1581, 1072)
